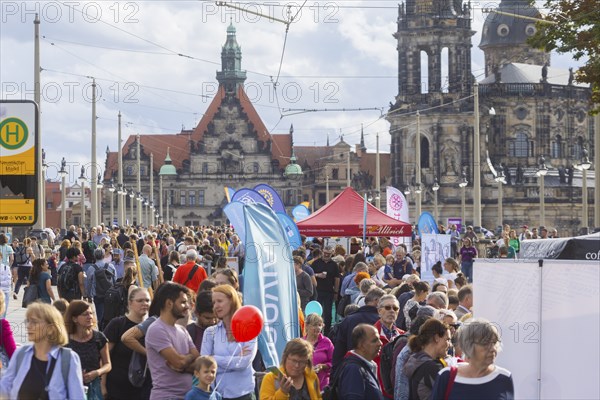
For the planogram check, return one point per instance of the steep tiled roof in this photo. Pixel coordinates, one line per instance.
(312, 155)
(179, 143)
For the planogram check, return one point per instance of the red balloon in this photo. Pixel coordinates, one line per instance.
(246, 323)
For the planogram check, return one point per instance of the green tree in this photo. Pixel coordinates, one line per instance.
(573, 26)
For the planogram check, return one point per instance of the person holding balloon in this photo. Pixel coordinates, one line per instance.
(322, 348)
(296, 378)
(232, 342)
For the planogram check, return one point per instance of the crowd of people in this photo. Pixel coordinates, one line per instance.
(147, 314)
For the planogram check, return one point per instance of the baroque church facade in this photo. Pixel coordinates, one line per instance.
(530, 113)
(231, 147)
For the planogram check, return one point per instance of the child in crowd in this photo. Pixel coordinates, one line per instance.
(205, 370)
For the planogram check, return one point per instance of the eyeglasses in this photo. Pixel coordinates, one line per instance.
(389, 308)
(298, 363)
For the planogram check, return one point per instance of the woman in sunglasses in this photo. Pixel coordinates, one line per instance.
(388, 309)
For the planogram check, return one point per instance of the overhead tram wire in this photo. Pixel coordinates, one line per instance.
(120, 77)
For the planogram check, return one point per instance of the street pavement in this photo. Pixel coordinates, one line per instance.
(16, 317)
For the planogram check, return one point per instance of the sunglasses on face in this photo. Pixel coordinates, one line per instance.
(389, 308)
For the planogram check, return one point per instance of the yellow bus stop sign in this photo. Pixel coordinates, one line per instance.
(18, 162)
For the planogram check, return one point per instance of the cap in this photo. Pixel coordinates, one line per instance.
(525, 227)
(129, 259)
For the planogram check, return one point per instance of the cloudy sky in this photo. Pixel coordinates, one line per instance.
(155, 62)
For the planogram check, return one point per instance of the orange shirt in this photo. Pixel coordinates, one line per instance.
(183, 271)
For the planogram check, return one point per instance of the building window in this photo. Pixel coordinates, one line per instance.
(70, 204)
(200, 197)
(142, 171)
(205, 168)
(172, 197)
(322, 199)
(556, 148)
(192, 198)
(182, 198)
(521, 146)
(335, 174)
(129, 170)
(49, 205)
(424, 152)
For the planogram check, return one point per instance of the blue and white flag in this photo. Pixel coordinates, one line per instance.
(270, 281)
(290, 229)
(248, 196)
(271, 196)
(427, 224)
(235, 214)
(300, 212)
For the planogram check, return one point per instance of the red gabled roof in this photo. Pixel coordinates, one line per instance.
(343, 217)
(281, 145)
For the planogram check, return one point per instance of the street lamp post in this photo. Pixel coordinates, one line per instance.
(42, 195)
(132, 200)
(541, 173)
(99, 185)
(463, 184)
(418, 166)
(501, 180)
(111, 190)
(583, 167)
(82, 181)
(63, 208)
(435, 188)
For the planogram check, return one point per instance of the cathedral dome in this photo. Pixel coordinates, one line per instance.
(292, 170)
(501, 29)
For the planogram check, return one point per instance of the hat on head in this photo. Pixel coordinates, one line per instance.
(525, 227)
(129, 259)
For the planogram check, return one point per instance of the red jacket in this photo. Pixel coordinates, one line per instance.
(384, 341)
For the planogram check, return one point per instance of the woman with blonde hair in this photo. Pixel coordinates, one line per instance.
(235, 375)
(322, 358)
(296, 378)
(44, 369)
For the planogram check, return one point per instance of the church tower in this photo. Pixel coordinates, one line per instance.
(231, 76)
(434, 78)
(504, 36)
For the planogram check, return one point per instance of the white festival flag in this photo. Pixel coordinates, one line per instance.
(397, 208)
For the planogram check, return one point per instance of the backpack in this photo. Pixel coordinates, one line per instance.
(330, 392)
(65, 363)
(387, 361)
(115, 302)
(103, 279)
(21, 256)
(67, 282)
(341, 306)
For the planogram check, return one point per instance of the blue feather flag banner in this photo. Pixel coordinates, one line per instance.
(271, 196)
(290, 229)
(248, 196)
(300, 212)
(235, 214)
(427, 224)
(270, 281)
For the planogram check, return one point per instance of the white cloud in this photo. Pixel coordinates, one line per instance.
(338, 56)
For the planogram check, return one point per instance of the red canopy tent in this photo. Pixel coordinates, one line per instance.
(343, 217)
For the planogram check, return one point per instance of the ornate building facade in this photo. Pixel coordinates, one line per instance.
(231, 147)
(528, 110)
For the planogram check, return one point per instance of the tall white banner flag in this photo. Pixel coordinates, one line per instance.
(397, 208)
